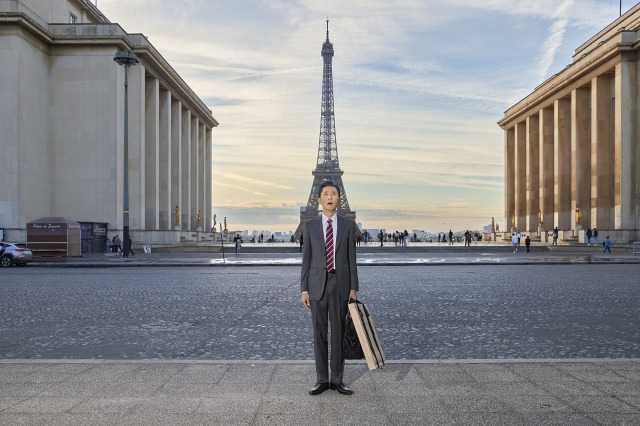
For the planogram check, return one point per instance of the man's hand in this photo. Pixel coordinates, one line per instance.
(305, 300)
(352, 295)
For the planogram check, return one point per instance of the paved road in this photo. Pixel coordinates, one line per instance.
(254, 313)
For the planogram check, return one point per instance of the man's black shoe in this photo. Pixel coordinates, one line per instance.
(342, 388)
(319, 388)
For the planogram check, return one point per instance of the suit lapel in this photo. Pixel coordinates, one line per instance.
(317, 229)
(342, 227)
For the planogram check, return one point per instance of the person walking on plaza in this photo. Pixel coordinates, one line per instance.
(129, 249)
(527, 242)
(450, 237)
(595, 236)
(589, 234)
(607, 245)
(381, 237)
(554, 234)
(514, 242)
(328, 280)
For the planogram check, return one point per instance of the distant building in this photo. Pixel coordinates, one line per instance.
(62, 126)
(572, 146)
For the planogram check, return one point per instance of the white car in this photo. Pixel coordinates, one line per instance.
(12, 253)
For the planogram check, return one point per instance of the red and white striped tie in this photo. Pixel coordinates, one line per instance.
(328, 246)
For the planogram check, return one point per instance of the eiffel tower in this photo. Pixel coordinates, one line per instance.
(327, 166)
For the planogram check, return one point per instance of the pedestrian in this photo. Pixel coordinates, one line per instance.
(514, 242)
(595, 236)
(518, 234)
(330, 246)
(129, 248)
(607, 245)
(301, 242)
(237, 241)
(450, 237)
(118, 244)
(439, 237)
(381, 237)
(554, 234)
(527, 242)
(109, 246)
(589, 234)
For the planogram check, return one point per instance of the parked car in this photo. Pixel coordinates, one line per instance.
(13, 253)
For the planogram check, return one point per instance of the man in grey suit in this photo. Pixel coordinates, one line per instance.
(329, 278)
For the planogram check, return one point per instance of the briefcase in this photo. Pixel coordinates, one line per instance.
(367, 335)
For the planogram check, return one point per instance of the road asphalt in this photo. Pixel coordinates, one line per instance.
(430, 392)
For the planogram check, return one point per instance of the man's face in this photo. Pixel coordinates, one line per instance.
(329, 199)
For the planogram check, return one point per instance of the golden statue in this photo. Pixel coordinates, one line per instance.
(214, 221)
(513, 220)
(198, 219)
(177, 215)
(225, 223)
(540, 223)
(493, 224)
(578, 215)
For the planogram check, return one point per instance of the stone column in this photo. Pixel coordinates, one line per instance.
(602, 153)
(625, 163)
(202, 185)
(152, 93)
(207, 208)
(137, 163)
(532, 173)
(176, 158)
(546, 166)
(580, 155)
(193, 176)
(509, 177)
(520, 166)
(562, 164)
(185, 205)
(165, 211)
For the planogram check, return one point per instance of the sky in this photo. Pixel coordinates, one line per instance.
(418, 88)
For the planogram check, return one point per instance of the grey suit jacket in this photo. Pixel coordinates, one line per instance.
(314, 260)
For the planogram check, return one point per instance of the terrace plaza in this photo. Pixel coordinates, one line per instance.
(205, 391)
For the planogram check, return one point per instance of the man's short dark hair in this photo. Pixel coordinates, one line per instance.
(325, 184)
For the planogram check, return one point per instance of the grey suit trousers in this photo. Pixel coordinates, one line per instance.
(329, 310)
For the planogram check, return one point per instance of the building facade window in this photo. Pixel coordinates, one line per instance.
(73, 19)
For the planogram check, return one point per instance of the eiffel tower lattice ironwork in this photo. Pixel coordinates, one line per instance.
(327, 165)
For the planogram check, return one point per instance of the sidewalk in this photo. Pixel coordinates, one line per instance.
(509, 392)
(287, 254)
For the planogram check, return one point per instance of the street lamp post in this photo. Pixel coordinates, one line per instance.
(126, 58)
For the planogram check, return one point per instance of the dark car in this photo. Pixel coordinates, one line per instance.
(12, 253)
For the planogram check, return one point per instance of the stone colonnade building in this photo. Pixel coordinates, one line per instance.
(62, 127)
(572, 147)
